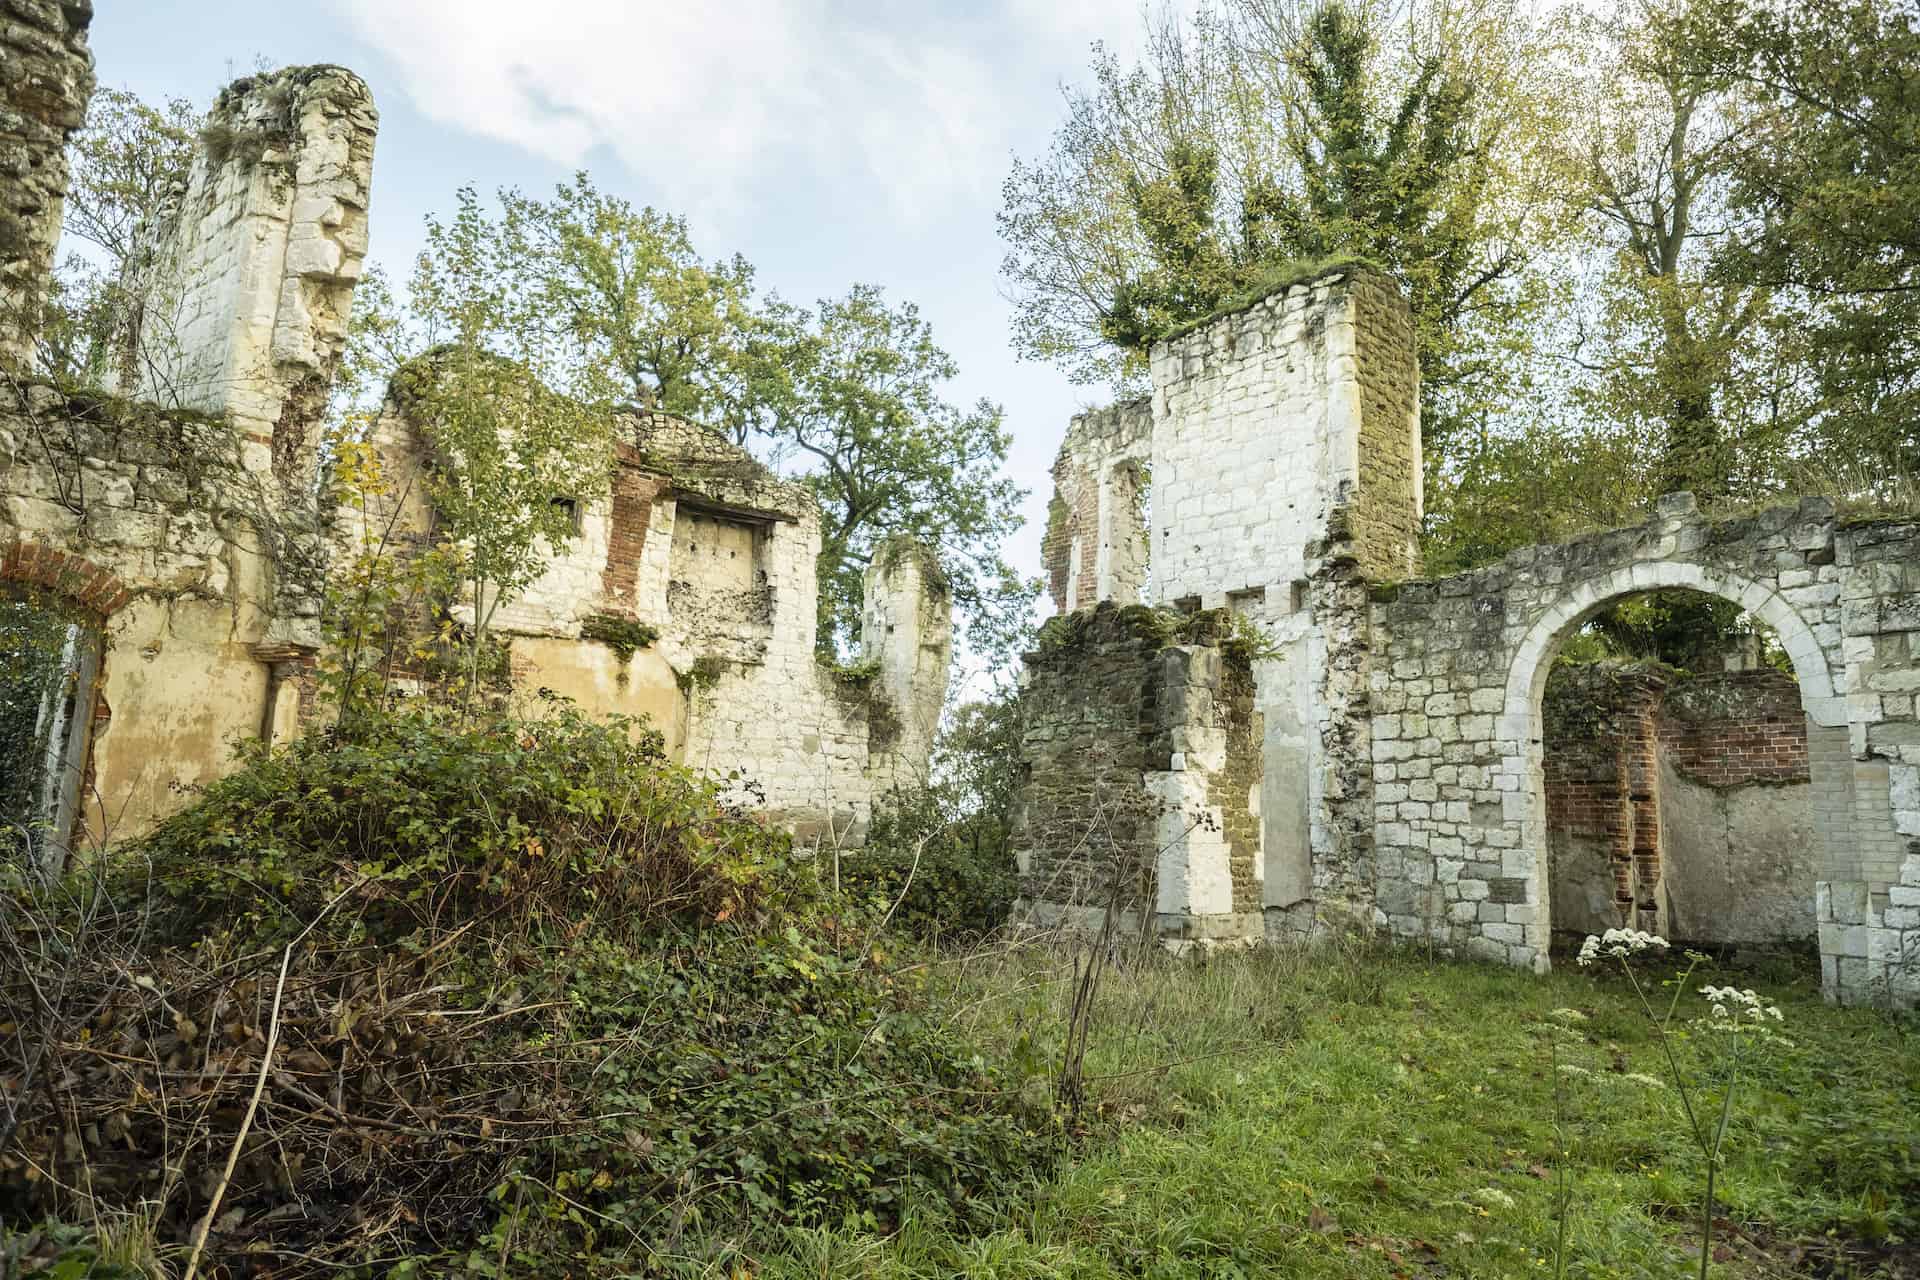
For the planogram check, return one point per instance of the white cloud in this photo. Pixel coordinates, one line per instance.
(736, 100)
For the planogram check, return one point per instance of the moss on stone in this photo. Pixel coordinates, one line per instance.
(702, 675)
(1277, 279)
(897, 548)
(625, 636)
(852, 675)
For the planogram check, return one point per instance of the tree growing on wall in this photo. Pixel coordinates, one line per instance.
(512, 421)
(1269, 133)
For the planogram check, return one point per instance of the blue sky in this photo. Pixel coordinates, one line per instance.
(829, 141)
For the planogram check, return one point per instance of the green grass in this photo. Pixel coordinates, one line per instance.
(1372, 1114)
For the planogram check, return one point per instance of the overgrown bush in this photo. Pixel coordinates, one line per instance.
(532, 1001)
(944, 880)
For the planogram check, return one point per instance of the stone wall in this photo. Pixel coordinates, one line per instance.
(1388, 490)
(1402, 780)
(1259, 419)
(1095, 544)
(1268, 501)
(183, 524)
(1142, 776)
(906, 629)
(149, 526)
(186, 531)
(1284, 462)
(48, 76)
(246, 276)
(717, 557)
(1469, 656)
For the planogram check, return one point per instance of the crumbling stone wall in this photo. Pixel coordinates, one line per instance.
(1268, 501)
(1141, 750)
(1388, 492)
(906, 634)
(184, 523)
(1260, 419)
(1284, 464)
(1095, 544)
(1839, 597)
(715, 558)
(1400, 719)
(246, 276)
(148, 526)
(48, 79)
(185, 533)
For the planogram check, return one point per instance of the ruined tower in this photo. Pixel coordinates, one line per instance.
(1279, 458)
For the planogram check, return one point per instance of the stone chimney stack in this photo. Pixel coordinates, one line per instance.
(46, 77)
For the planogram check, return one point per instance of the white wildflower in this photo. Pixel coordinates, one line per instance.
(1566, 1015)
(1644, 1080)
(1493, 1198)
(1620, 942)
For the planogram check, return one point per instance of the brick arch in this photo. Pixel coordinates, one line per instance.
(75, 579)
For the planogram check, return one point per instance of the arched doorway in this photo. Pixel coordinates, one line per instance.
(49, 671)
(1677, 788)
(1828, 759)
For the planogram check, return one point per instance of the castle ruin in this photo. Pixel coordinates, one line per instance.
(175, 536)
(1253, 719)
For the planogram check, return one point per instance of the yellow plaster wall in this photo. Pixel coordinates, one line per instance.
(181, 689)
(595, 678)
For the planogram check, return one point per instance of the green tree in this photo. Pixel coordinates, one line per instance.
(1830, 167)
(651, 320)
(855, 402)
(1542, 483)
(129, 160)
(1652, 144)
(1272, 132)
(510, 416)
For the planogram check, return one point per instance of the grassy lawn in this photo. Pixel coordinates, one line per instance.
(1376, 1114)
